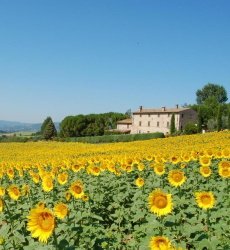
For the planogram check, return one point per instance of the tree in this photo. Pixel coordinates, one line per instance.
(211, 90)
(229, 118)
(200, 121)
(172, 125)
(45, 122)
(219, 119)
(190, 128)
(48, 130)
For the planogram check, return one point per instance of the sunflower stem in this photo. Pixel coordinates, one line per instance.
(55, 240)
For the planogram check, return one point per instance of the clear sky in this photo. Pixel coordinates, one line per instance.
(60, 58)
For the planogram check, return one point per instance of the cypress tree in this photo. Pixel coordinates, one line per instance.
(219, 118)
(172, 125)
(45, 122)
(49, 131)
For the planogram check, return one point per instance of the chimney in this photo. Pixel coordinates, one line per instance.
(140, 108)
(163, 108)
(177, 106)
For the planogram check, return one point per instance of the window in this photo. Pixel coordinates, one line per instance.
(140, 123)
(140, 115)
(149, 115)
(167, 124)
(148, 124)
(127, 125)
(182, 115)
(158, 124)
(158, 115)
(168, 114)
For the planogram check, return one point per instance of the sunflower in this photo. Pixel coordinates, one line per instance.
(224, 169)
(76, 189)
(67, 195)
(205, 171)
(62, 178)
(2, 191)
(226, 153)
(159, 169)
(35, 178)
(1, 205)
(205, 160)
(60, 210)
(14, 192)
(205, 200)
(25, 189)
(175, 159)
(160, 243)
(95, 170)
(85, 197)
(176, 178)
(76, 168)
(140, 166)
(10, 173)
(139, 182)
(47, 183)
(41, 223)
(160, 203)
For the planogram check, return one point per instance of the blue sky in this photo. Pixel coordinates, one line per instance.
(60, 58)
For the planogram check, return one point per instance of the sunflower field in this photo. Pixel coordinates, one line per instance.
(161, 194)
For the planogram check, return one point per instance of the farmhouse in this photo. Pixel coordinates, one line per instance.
(157, 120)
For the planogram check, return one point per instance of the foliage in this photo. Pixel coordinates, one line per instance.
(219, 118)
(45, 122)
(114, 212)
(118, 138)
(211, 90)
(190, 128)
(48, 130)
(200, 121)
(89, 125)
(228, 119)
(172, 124)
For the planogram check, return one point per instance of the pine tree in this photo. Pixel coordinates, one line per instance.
(172, 125)
(49, 130)
(219, 118)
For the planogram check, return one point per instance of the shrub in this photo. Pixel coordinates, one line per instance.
(190, 128)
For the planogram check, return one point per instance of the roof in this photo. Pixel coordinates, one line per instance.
(161, 110)
(125, 121)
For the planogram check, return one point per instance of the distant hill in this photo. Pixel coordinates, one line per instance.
(9, 126)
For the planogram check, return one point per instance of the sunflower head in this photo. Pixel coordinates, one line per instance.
(159, 169)
(205, 160)
(160, 203)
(205, 171)
(76, 189)
(60, 210)
(176, 178)
(41, 223)
(224, 170)
(62, 178)
(14, 192)
(1, 205)
(2, 191)
(139, 182)
(47, 183)
(160, 243)
(205, 200)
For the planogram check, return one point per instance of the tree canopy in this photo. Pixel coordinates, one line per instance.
(48, 129)
(211, 91)
(89, 125)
